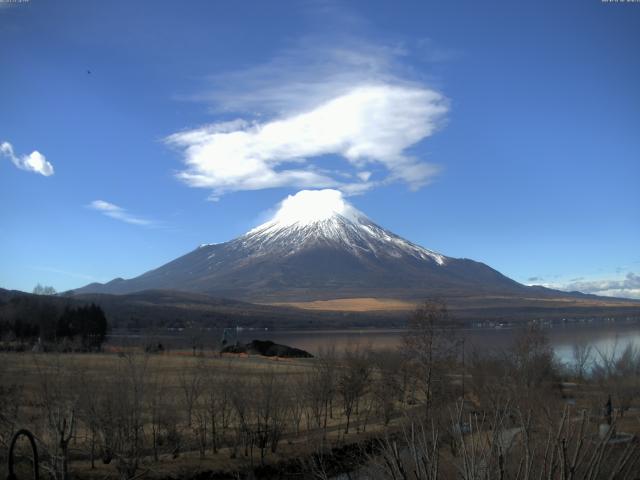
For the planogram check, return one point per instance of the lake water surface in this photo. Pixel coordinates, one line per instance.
(603, 337)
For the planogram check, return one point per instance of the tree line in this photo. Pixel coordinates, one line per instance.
(27, 320)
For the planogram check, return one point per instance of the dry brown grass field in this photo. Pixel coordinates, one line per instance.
(128, 414)
(258, 393)
(354, 305)
(481, 307)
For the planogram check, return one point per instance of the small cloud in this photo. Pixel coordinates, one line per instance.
(364, 176)
(534, 279)
(34, 162)
(628, 286)
(119, 213)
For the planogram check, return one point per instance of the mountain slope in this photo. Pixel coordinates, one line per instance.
(320, 247)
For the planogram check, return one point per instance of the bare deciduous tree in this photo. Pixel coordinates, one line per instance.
(432, 346)
(191, 385)
(353, 380)
(156, 408)
(582, 355)
(59, 399)
(11, 399)
(386, 384)
(618, 374)
(122, 414)
(218, 405)
(320, 389)
(490, 447)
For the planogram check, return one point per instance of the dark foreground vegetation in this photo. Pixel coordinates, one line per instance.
(429, 410)
(35, 321)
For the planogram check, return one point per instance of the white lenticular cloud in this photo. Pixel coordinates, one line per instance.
(34, 162)
(367, 126)
(316, 115)
(119, 213)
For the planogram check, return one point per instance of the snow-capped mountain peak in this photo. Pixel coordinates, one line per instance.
(312, 206)
(312, 217)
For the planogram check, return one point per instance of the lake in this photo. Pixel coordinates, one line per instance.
(602, 336)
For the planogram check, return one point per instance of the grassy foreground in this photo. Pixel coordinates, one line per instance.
(175, 414)
(424, 412)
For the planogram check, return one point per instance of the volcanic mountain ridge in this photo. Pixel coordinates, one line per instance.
(318, 247)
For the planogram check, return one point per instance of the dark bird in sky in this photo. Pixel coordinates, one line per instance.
(88, 72)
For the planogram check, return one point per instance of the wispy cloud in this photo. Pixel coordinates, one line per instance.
(628, 286)
(306, 105)
(119, 213)
(299, 78)
(67, 273)
(34, 162)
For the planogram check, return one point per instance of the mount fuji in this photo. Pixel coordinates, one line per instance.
(318, 247)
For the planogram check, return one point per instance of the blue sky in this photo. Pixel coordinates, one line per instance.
(507, 132)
